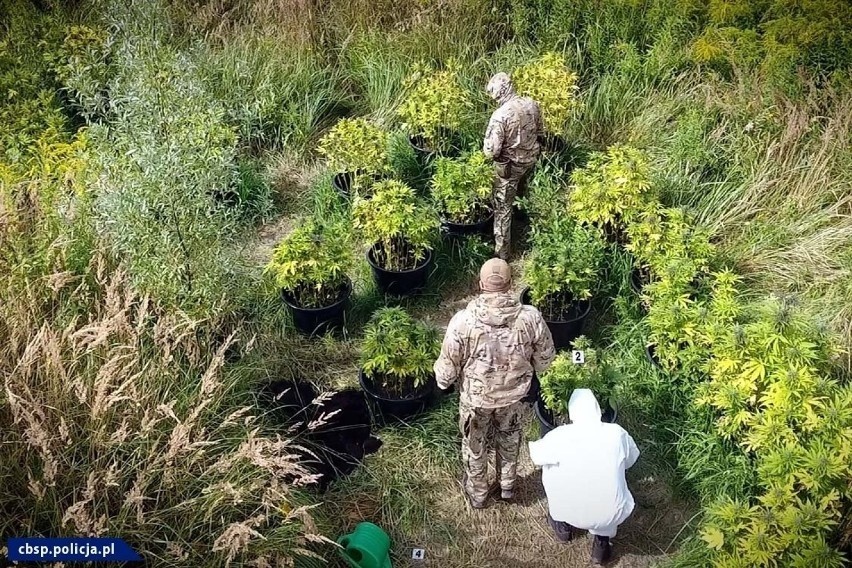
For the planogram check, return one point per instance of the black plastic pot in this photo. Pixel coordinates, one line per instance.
(317, 321)
(401, 283)
(636, 281)
(553, 144)
(426, 154)
(564, 332)
(546, 422)
(388, 408)
(651, 356)
(485, 227)
(342, 182)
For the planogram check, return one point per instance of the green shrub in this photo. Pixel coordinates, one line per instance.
(402, 226)
(83, 66)
(564, 375)
(312, 261)
(434, 101)
(611, 189)
(356, 145)
(160, 161)
(462, 188)
(398, 351)
(549, 82)
(564, 265)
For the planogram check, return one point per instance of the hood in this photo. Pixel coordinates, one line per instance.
(496, 309)
(583, 407)
(500, 88)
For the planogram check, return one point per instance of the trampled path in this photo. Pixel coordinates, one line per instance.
(505, 535)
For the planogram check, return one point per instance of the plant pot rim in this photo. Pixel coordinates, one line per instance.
(367, 385)
(525, 294)
(346, 289)
(372, 262)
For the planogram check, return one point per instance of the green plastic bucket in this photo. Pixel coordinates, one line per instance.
(366, 547)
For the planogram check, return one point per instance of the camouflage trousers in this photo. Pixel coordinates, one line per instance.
(511, 179)
(480, 428)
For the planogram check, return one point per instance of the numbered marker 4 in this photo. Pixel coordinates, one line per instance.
(418, 554)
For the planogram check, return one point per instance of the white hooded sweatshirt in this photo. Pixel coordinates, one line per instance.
(583, 465)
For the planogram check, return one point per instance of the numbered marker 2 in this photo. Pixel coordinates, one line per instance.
(418, 554)
(578, 357)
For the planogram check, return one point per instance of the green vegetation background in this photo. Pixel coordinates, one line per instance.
(126, 294)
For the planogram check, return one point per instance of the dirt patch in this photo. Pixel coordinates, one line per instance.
(516, 534)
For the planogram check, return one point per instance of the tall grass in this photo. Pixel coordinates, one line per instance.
(275, 97)
(118, 419)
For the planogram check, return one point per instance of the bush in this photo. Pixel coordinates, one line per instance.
(611, 189)
(355, 145)
(773, 394)
(462, 188)
(398, 350)
(165, 155)
(549, 82)
(311, 263)
(402, 226)
(564, 376)
(564, 265)
(83, 66)
(434, 101)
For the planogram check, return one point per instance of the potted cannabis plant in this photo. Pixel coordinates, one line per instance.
(309, 266)
(432, 110)
(397, 356)
(357, 151)
(562, 272)
(611, 190)
(570, 371)
(549, 82)
(401, 229)
(658, 235)
(461, 188)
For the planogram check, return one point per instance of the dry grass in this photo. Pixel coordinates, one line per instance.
(118, 419)
(437, 518)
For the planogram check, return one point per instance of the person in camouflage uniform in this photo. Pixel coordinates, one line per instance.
(492, 348)
(512, 141)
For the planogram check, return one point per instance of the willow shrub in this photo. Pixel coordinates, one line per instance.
(162, 159)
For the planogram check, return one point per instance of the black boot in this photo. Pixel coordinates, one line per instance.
(563, 531)
(601, 550)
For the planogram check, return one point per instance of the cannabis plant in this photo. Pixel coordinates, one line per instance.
(357, 146)
(549, 82)
(311, 263)
(400, 226)
(564, 375)
(435, 101)
(398, 352)
(462, 187)
(659, 234)
(773, 394)
(564, 265)
(611, 189)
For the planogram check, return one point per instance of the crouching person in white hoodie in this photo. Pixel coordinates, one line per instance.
(583, 465)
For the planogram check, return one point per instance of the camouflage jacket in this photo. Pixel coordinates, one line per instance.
(491, 348)
(513, 131)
